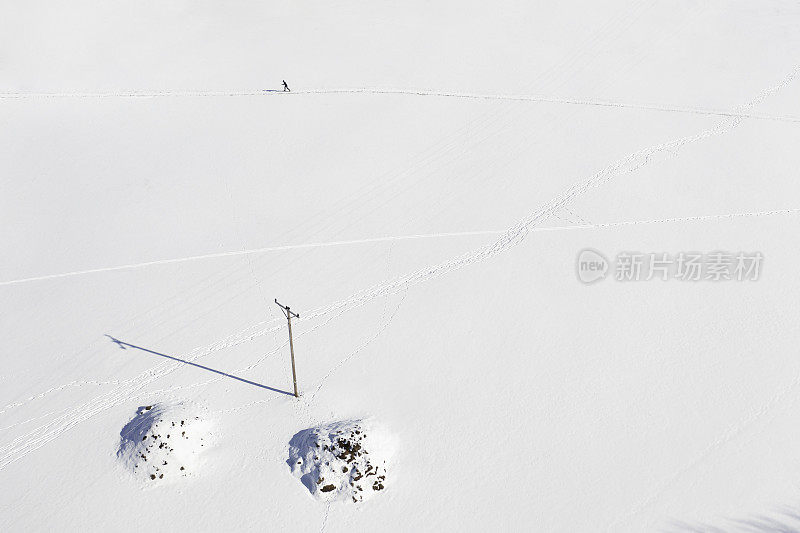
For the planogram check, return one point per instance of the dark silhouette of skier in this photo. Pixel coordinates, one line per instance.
(286, 87)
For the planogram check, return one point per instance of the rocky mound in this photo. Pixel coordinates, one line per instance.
(164, 441)
(341, 461)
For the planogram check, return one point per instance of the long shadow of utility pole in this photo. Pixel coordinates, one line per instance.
(125, 345)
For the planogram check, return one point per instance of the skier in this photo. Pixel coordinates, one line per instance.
(286, 87)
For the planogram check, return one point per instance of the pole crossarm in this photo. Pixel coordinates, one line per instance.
(287, 312)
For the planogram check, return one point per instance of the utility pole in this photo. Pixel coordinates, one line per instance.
(289, 314)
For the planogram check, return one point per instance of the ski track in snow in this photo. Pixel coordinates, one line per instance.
(579, 223)
(251, 251)
(727, 436)
(32, 419)
(44, 434)
(325, 518)
(77, 383)
(35, 439)
(386, 322)
(407, 92)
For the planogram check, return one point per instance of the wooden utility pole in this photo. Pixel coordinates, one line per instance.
(289, 314)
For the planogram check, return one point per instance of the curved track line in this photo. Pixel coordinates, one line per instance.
(518, 232)
(560, 100)
(699, 218)
(35, 439)
(582, 225)
(247, 252)
(408, 92)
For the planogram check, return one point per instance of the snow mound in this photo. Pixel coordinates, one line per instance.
(341, 461)
(164, 441)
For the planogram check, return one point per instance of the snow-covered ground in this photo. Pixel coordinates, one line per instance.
(420, 199)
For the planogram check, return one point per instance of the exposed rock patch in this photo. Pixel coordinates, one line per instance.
(164, 441)
(345, 461)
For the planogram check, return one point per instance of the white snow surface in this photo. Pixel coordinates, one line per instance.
(419, 198)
